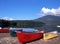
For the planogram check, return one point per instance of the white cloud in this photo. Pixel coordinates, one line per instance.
(7, 18)
(47, 11)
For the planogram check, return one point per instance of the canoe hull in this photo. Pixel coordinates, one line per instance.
(4, 30)
(27, 37)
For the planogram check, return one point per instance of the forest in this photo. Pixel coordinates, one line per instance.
(21, 23)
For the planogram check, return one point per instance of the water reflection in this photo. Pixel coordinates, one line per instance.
(25, 29)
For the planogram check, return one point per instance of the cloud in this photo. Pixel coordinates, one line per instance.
(7, 18)
(47, 11)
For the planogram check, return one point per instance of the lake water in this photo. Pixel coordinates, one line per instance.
(46, 28)
(25, 29)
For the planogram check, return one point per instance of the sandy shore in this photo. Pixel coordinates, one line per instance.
(5, 38)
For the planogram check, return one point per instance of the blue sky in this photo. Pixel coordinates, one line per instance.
(25, 9)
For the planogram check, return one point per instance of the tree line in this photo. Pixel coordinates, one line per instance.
(21, 23)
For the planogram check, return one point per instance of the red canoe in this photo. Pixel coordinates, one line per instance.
(25, 37)
(4, 30)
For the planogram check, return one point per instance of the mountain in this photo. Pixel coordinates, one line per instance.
(50, 20)
(51, 23)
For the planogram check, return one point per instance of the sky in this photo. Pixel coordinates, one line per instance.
(28, 9)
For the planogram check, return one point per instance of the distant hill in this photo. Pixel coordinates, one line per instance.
(51, 23)
(50, 20)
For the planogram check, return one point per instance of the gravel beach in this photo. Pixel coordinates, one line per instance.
(5, 38)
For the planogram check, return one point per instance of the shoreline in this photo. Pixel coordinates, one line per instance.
(5, 38)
